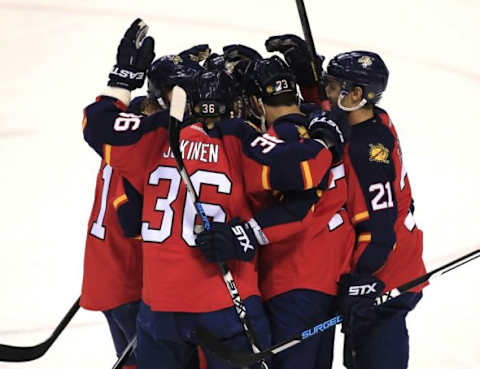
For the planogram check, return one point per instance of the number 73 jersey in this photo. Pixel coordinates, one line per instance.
(380, 205)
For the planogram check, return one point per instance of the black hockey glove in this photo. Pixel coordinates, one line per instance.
(327, 130)
(237, 52)
(356, 299)
(196, 53)
(226, 241)
(134, 56)
(295, 51)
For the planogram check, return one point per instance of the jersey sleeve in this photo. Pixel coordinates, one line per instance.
(273, 163)
(128, 204)
(371, 196)
(124, 140)
(286, 218)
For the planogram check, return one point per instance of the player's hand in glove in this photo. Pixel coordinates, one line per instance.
(196, 53)
(356, 299)
(295, 51)
(238, 52)
(321, 126)
(226, 241)
(134, 56)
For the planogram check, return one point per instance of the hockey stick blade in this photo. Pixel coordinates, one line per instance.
(28, 353)
(213, 344)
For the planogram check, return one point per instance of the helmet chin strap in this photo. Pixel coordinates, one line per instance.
(262, 118)
(162, 103)
(353, 108)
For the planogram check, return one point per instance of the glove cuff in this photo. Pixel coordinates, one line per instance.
(258, 232)
(118, 93)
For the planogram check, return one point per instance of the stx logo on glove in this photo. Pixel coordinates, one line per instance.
(127, 74)
(242, 237)
(362, 290)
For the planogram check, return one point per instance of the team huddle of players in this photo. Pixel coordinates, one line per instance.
(309, 203)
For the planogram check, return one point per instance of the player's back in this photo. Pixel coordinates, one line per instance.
(113, 260)
(176, 275)
(320, 245)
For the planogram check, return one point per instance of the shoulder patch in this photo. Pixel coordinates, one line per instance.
(379, 153)
(302, 132)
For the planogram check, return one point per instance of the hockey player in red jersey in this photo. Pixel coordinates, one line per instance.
(389, 244)
(112, 279)
(306, 248)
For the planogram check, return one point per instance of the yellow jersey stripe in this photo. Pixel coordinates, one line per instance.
(119, 201)
(307, 175)
(265, 178)
(365, 237)
(357, 218)
(107, 152)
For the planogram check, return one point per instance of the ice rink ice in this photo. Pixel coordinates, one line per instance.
(55, 58)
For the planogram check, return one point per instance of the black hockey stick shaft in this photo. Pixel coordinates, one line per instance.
(236, 358)
(28, 353)
(177, 109)
(307, 33)
(132, 345)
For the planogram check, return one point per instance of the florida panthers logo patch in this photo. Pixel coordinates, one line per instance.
(366, 61)
(379, 153)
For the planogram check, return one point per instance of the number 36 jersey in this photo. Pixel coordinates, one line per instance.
(176, 277)
(389, 244)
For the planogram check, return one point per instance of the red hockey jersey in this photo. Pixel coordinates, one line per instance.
(113, 261)
(311, 242)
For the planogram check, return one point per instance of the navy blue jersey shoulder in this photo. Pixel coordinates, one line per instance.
(106, 123)
(291, 127)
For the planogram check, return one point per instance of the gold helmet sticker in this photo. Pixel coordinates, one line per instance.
(379, 153)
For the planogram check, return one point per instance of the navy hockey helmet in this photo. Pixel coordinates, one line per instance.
(359, 68)
(168, 71)
(213, 94)
(270, 77)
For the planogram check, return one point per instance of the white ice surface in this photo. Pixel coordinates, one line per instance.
(54, 59)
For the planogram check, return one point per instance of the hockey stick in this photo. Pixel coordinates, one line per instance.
(27, 353)
(307, 33)
(132, 345)
(237, 358)
(177, 110)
